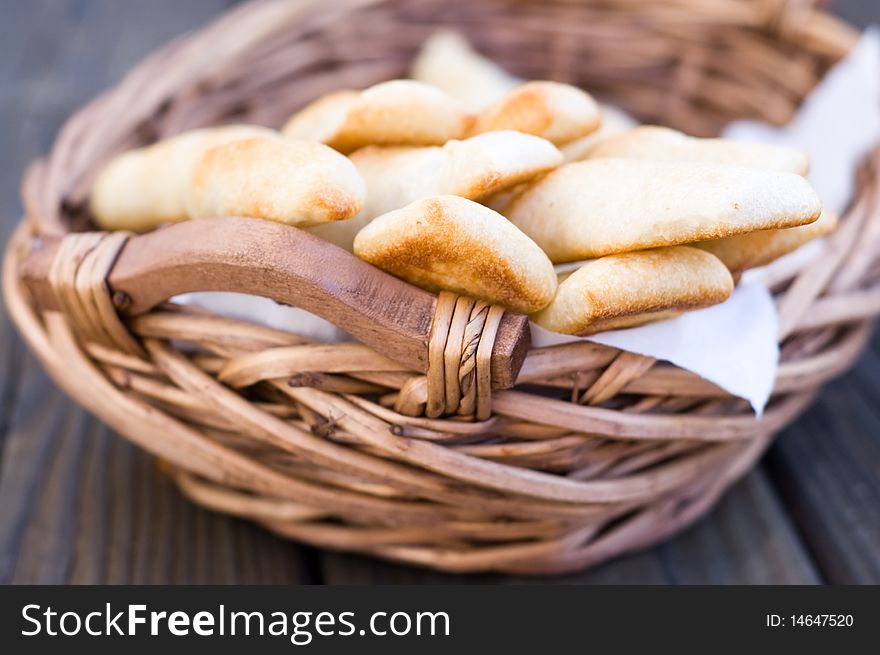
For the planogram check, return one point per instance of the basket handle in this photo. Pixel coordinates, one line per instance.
(279, 262)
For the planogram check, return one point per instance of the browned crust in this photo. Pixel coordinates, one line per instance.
(618, 287)
(494, 182)
(744, 251)
(633, 320)
(525, 109)
(415, 257)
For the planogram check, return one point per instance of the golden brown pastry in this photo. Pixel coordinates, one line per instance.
(474, 168)
(294, 182)
(662, 143)
(557, 112)
(447, 61)
(633, 321)
(454, 244)
(614, 121)
(399, 112)
(140, 189)
(604, 206)
(745, 251)
(633, 288)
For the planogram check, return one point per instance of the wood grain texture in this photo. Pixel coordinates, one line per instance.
(78, 504)
(301, 270)
(827, 467)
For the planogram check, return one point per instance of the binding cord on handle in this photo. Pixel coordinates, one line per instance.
(459, 357)
(79, 279)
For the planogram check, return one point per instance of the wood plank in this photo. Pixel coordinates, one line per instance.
(857, 12)
(11, 361)
(80, 505)
(747, 539)
(77, 503)
(827, 469)
(826, 466)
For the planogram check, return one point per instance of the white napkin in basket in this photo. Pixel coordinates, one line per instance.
(255, 309)
(733, 344)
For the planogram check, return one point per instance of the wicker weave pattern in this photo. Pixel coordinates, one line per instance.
(594, 453)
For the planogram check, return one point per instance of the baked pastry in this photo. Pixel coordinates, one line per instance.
(474, 168)
(294, 182)
(633, 320)
(662, 143)
(454, 244)
(447, 61)
(140, 189)
(744, 251)
(604, 206)
(399, 112)
(632, 288)
(614, 120)
(557, 112)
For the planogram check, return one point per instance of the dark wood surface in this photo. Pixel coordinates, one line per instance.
(80, 505)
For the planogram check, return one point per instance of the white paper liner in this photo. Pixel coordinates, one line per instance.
(732, 344)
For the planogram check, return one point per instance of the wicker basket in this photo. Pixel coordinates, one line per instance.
(595, 452)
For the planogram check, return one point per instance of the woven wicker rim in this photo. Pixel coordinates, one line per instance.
(595, 452)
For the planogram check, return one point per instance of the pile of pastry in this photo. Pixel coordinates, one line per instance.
(530, 195)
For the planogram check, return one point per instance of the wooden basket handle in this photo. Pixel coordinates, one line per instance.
(285, 264)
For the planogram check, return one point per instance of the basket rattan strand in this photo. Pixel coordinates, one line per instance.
(595, 452)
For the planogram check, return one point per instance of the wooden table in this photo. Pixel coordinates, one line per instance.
(79, 505)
